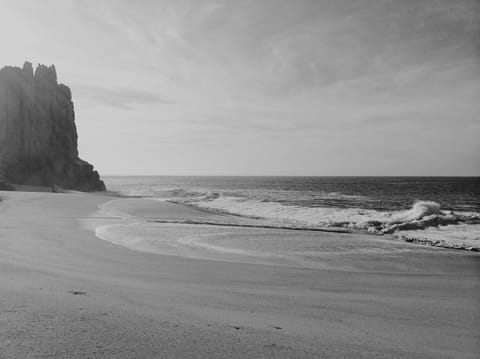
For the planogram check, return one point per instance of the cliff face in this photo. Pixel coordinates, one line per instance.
(38, 136)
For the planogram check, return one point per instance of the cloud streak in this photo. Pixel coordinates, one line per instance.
(120, 98)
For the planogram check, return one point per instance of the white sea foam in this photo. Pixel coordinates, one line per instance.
(418, 211)
(423, 215)
(301, 204)
(460, 236)
(323, 216)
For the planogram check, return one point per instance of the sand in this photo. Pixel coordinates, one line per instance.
(64, 293)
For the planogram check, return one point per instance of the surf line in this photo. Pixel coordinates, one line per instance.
(262, 226)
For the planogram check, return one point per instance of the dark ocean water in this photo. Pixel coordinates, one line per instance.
(377, 193)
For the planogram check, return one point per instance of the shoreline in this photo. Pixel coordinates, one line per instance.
(399, 235)
(395, 236)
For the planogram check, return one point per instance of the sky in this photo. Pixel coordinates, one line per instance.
(262, 87)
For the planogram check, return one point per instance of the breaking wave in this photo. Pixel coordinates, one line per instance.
(422, 213)
(421, 216)
(298, 207)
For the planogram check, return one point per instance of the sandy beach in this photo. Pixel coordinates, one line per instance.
(65, 293)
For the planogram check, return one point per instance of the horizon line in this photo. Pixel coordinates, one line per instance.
(258, 175)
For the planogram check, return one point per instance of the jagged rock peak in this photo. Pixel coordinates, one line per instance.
(38, 135)
(28, 68)
(47, 73)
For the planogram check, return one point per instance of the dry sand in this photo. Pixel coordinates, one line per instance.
(64, 293)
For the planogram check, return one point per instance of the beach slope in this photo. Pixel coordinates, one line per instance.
(66, 293)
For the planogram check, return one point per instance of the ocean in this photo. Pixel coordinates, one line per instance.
(441, 211)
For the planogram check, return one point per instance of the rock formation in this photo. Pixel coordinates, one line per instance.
(38, 136)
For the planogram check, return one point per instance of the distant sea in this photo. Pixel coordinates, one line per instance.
(433, 208)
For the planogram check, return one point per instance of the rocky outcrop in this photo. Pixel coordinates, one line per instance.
(38, 136)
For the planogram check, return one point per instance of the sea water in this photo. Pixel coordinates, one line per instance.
(442, 211)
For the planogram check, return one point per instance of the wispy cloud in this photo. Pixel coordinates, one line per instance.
(121, 98)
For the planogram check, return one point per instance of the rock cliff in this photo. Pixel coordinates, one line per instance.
(38, 136)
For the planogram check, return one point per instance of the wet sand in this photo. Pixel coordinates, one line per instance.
(66, 293)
